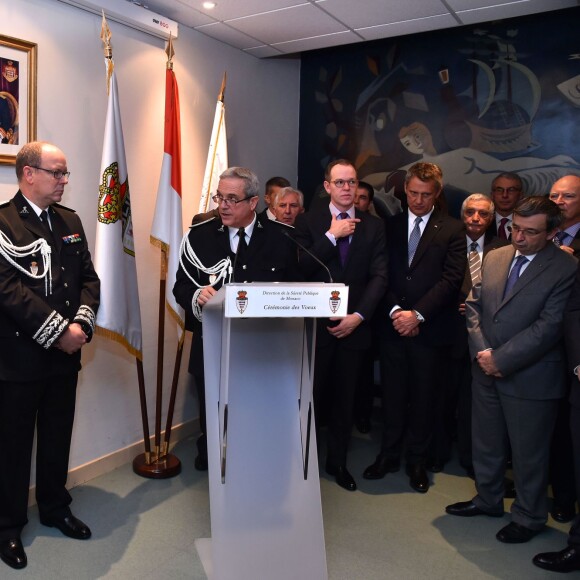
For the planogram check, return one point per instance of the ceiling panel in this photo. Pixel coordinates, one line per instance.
(382, 11)
(409, 27)
(303, 21)
(267, 28)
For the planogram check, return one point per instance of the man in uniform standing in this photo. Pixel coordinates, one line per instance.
(49, 295)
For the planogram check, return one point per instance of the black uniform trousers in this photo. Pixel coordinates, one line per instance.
(48, 404)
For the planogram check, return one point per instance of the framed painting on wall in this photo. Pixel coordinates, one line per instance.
(17, 96)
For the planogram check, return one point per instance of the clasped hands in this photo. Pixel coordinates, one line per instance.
(405, 322)
(487, 364)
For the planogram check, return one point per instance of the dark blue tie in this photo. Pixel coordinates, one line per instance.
(514, 274)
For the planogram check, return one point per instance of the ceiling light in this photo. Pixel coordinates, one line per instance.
(209, 5)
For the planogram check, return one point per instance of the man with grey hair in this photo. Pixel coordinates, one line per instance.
(477, 213)
(288, 203)
(506, 190)
(247, 247)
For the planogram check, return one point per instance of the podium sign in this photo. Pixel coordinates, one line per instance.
(285, 300)
(266, 514)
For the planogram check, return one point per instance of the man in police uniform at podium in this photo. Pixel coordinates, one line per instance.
(49, 295)
(237, 246)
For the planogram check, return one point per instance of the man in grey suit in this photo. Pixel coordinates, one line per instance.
(514, 320)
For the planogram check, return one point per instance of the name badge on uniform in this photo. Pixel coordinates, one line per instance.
(72, 239)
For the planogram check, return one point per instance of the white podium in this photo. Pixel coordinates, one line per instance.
(266, 516)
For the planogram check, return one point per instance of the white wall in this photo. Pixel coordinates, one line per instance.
(262, 99)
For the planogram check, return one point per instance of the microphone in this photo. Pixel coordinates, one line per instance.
(310, 254)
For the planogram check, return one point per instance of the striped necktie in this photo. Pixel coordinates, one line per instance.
(414, 239)
(474, 264)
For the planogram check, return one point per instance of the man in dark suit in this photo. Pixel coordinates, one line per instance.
(49, 295)
(565, 193)
(426, 255)
(514, 319)
(568, 559)
(237, 246)
(506, 190)
(477, 213)
(352, 246)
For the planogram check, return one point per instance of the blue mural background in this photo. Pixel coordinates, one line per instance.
(477, 100)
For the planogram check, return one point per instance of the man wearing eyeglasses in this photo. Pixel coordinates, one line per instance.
(257, 249)
(515, 324)
(351, 244)
(49, 295)
(506, 191)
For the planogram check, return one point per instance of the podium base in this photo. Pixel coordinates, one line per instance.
(163, 468)
(203, 546)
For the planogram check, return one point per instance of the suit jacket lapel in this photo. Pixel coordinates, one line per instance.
(257, 239)
(432, 229)
(222, 234)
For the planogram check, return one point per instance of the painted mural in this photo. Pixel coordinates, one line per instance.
(477, 100)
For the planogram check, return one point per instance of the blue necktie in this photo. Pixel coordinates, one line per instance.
(343, 243)
(414, 239)
(514, 274)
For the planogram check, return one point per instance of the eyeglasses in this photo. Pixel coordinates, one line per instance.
(564, 196)
(508, 189)
(340, 183)
(56, 173)
(527, 233)
(219, 199)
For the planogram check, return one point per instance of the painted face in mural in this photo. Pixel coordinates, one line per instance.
(477, 217)
(505, 193)
(338, 187)
(421, 196)
(529, 234)
(566, 194)
(413, 143)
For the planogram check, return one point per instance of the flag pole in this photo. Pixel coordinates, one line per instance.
(164, 464)
(108, 51)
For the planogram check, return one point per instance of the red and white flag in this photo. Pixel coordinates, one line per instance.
(217, 157)
(119, 316)
(167, 228)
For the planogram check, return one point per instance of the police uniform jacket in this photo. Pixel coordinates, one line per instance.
(32, 318)
(271, 257)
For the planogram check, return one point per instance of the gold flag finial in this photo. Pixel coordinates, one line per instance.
(170, 53)
(108, 50)
(223, 89)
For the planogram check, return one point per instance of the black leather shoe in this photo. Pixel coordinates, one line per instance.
(363, 425)
(567, 560)
(435, 466)
(509, 488)
(69, 526)
(514, 533)
(12, 553)
(467, 509)
(381, 467)
(342, 477)
(418, 478)
(563, 513)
